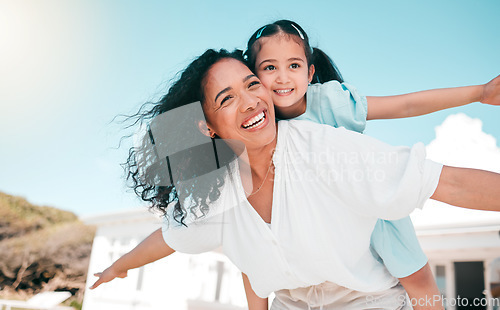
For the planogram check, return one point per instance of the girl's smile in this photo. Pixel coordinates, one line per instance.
(284, 92)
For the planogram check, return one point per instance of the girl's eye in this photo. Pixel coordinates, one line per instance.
(294, 66)
(270, 67)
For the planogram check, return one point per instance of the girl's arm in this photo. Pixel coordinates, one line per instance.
(469, 188)
(495, 290)
(254, 301)
(149, 250)
(424, 102)
(422, 290)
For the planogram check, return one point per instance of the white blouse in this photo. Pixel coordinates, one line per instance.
(330, 187)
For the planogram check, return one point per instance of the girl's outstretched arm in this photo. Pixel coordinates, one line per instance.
(422, 289)
(149, 250)
(424, 102)
(469, 188)
(254, 301)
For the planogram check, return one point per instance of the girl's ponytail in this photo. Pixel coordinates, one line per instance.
(325, 68)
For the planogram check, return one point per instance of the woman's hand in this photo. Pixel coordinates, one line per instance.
(491, 92)
(107, 275)
(149, 250)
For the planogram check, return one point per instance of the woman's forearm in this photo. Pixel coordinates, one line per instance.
(149, 250)
(469, 188)
(423, 102)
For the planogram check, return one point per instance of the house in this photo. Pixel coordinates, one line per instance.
(461, 243)
(460, 255)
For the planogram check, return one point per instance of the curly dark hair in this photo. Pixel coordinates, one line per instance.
(325, 68)
(151, 175)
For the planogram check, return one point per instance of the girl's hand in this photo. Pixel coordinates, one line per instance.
(491, 92)
(107, 275)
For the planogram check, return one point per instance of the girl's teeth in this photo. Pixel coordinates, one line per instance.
(283, 91)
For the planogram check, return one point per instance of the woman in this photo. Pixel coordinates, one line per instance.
(320, 189)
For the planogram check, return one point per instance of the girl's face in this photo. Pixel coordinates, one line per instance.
(281, 65)
(237, 106)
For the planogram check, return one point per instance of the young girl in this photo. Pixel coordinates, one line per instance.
(280, 55)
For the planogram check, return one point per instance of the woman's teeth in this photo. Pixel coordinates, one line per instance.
(254, 121)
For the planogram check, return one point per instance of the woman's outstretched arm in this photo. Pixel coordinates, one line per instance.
(149, 250)
(469, 188)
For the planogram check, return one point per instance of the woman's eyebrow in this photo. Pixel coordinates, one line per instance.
(221, 92)
(229, 88)
(249, 77)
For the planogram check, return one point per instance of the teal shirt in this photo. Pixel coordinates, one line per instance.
(393, 242)
(337, 105)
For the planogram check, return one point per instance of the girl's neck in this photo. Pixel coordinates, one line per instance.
(292, 111)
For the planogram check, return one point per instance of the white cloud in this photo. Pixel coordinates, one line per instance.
(461, 142)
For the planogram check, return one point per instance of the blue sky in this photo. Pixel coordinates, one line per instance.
(68, 67)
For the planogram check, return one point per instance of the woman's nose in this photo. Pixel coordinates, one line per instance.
(248, 101)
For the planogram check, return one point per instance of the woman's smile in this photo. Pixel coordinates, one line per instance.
(256, 122)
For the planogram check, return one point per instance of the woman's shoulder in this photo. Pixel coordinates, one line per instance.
(306, 134)
(302, 126)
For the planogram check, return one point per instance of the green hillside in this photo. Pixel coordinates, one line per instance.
(42, 248)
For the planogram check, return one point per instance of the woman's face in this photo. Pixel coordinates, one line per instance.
(237, 106)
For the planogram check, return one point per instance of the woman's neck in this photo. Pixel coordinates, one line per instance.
(259, 159)
(255, 166)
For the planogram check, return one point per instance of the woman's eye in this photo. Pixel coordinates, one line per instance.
(253, 83)
(294, 66)
(224, 100)
(270, 67)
